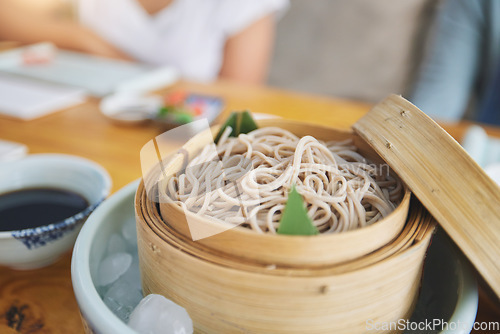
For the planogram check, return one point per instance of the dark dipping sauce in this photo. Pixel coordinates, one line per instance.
(33, 207)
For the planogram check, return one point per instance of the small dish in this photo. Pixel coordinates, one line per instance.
(171, 110)
(448, 291)
(36, 247)
(130, 108)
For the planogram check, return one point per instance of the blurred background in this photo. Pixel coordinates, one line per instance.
(362, 50)
(358, 49)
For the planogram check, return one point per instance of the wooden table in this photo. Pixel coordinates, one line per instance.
(42, 301)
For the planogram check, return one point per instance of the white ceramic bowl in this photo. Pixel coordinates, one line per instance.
(449, 290)
(89, 249)
(37, 247)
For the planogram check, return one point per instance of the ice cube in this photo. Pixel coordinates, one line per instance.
(116, 244)
(129, 232)
(120, 311)
(124, 293)
(122, 298)
(156, 314)
(133, 275)
(112, 267)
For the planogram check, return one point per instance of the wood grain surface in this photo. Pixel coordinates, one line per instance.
(42, 301)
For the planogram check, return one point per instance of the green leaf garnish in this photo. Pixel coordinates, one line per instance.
(240, 122)
(247, 123)
(295, 220)
(183, 117)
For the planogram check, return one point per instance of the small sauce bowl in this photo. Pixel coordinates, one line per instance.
(39, 246)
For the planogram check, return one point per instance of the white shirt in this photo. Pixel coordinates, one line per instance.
(188, 34)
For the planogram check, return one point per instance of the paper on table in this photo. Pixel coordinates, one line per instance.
(97, 75)
(484, 149)
(10, 151)
(28, 99)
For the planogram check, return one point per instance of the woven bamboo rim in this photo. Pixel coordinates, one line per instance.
(300, 251)
(416, 228)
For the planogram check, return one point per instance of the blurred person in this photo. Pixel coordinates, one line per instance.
(461, 74)
(203, 39)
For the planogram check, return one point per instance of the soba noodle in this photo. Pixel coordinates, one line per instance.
(246, 180)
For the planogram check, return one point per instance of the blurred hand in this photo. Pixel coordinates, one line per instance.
(43, 27)
(93, 44)
(247, 54)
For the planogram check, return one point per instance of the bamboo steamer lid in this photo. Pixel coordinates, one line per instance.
(449, 183)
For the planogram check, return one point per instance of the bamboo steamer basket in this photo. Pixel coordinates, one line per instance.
(228, 294)
(275, 249)
(300, 290)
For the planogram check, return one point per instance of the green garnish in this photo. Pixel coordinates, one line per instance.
(183, 117)
(164, 111)
(175, 114)
(240, 122)
(295, 220)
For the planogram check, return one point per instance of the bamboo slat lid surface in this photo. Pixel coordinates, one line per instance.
(451, 185)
